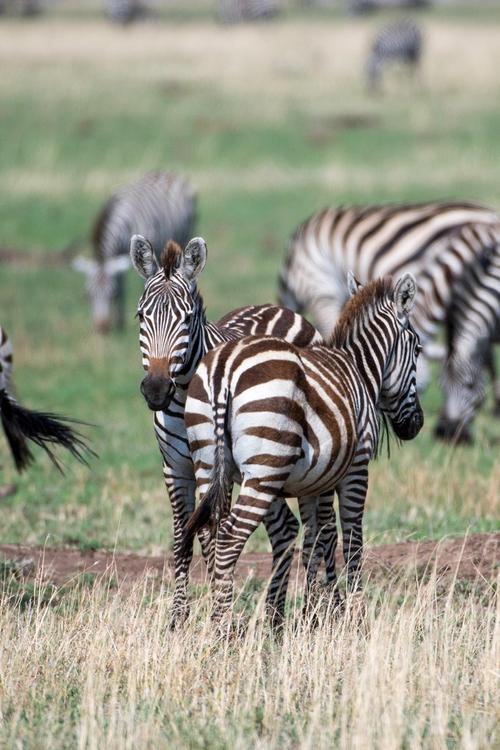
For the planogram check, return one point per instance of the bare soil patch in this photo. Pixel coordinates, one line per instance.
(473, 557)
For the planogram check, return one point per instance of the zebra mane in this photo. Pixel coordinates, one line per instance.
(170, 258)
(368, 296)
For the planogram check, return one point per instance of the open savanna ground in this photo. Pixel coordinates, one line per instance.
(269, 122)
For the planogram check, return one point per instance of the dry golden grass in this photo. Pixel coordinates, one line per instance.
(100, 670)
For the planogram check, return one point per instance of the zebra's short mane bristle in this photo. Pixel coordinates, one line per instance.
(170, 258)
(373, 292)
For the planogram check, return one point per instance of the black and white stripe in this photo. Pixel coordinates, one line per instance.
(399, 42)
(174, 335)
(437, 242)
(161, 206)
(304, 423)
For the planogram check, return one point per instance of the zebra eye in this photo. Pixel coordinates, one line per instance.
(420, 348)
(139, 315)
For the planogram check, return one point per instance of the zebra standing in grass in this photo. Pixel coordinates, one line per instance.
(174, 335)
(162, 206)
(473, 326)
(398, 42)
(233, 11)
(301, 423)
(21, 425)
(437, 242)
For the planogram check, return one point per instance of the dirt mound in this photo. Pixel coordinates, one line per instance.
(475, 556)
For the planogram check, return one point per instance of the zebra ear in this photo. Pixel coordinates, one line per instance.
(352, 284)
(142, 256)
(404, 293)
(194, 258)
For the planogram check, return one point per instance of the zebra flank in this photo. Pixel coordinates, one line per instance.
(162, 206)
(437, 242)
(291, 422)
(23, 426)
(174, 335)
(399, 42)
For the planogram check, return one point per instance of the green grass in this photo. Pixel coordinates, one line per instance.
(268, 130)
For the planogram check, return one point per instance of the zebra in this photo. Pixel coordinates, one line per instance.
(174, 335)
(473, 325)
(436, 241)
(232, 11)
(124, 11)
(301, 422)
(21, 425)
(396, 42)
(160, 205)
(25, 7)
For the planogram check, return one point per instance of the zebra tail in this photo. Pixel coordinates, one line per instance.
(44, 429)
(213, 506)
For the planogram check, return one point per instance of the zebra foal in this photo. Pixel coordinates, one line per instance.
(174, 335)
(298, 422)
(162, 206)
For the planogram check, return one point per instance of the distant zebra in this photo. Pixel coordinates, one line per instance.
(174, 335)
(436, 242)
(232, 11)
(472, 327)
(162, 206)
(124, 11)
(21, 425)
(301, 423)
(26, 7)
(398, 42)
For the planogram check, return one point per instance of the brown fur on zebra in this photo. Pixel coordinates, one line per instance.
(174, 335)
(23, 426)
(285, 421)
(162, 206)
(438, 242)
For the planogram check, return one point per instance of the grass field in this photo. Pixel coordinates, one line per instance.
(269, 122)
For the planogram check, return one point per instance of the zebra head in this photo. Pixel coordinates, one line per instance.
(464, 389)
(102, 282)
(394, 348)
(169, 311)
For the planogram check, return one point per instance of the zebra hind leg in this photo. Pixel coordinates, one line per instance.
(282, 528)
(312, 555)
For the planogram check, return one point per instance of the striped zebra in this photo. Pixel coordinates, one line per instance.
(161, 205)
(473, 326)
(301, 422)
(437, 242)
(174, 335)
(233, 11)
(22, 425)
(397, 42)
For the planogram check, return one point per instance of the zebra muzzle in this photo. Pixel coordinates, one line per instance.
(157, 391)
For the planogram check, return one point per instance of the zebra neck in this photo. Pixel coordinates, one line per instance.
(370, 356)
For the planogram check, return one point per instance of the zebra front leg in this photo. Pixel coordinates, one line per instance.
(181, 492)
(352, 494)
(251, 508)
(282, 528)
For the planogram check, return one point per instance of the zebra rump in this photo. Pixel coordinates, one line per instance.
(42, 428)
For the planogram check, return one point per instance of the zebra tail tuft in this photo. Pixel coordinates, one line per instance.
(42, 428)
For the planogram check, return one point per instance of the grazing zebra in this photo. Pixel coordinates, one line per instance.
(301, 422)
(174, 335)
(435, 241)
(124, 11)
(21, 425)
(161, 205)
(232, 11)
(473, 326)
(398, 42)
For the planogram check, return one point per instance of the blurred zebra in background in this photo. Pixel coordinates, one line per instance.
(233, 11)
(399, 42)
(124, 11)
(437, 242)
(22, 425)
(160, 206)
(25, 7)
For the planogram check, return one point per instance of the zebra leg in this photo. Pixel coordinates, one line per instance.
(282, 528)
(352, 494)
(329, 538)
(181, 492)
(250, 509)
(490, 365)
(120, 301)
(312, 551)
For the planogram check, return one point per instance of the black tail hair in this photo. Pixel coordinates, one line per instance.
(42, 428)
